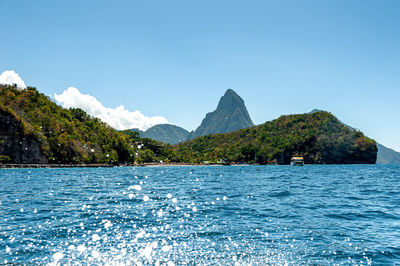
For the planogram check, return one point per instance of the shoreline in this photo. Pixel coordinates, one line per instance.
(52, 166)
(16, 166)
(23, 166)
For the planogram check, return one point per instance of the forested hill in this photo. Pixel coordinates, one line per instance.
(319, 136)
(385, 155)
(34, 129)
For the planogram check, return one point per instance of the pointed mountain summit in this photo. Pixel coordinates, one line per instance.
(231, 114)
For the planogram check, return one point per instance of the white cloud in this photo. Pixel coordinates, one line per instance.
(9, 77)
(119, 118)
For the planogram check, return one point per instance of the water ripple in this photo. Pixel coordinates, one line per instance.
(237, 215)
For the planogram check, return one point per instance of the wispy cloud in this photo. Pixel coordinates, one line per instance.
(9, 77)
(119, 118)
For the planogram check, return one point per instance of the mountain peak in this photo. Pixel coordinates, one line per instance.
(230, 93)
(230, 101)
(315, 111)
(231, 114)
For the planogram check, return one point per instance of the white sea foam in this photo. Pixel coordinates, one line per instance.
(95, 237)
(58, 256)
(108, 224)
(95, 254)
(81, 248)
(135, 187)
(166, 248)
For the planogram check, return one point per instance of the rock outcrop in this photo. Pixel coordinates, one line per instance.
(15, 146)
(231, 115)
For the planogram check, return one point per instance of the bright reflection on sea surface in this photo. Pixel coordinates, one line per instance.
(201, 215)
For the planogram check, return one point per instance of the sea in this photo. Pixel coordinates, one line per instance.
(201, 215)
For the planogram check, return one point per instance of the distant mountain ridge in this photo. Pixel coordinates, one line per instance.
(387, 155)
(231, 115)
(166, 133)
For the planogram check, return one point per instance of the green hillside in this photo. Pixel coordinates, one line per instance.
(319, 136)
(34, 129)
(385, 155)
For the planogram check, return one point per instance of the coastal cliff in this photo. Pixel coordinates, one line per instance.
(15, 145)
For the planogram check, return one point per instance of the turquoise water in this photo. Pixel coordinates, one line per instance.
(201, 215)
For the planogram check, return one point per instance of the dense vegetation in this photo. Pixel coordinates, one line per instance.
(319, 136)
(71, 135)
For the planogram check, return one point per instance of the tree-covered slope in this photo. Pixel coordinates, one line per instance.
(33, 129)
(319, 136)
(59, 135)
(231, 114)
(385, 155)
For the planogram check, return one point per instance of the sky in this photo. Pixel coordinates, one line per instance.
(157, 61)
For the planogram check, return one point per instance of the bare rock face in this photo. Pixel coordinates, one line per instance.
(231, 115)
(20, 148)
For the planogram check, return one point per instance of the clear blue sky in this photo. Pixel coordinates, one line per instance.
(176, 58)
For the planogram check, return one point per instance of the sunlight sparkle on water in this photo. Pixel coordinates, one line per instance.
(258, 215)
